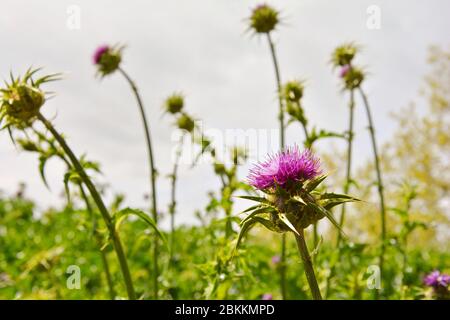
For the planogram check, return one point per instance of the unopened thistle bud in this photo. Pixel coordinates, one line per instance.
(353, 78)
(174, 103)
(107, 59)
(293, 91)
(343, 55)
(264, 19)
(186, 123)
(22, 99)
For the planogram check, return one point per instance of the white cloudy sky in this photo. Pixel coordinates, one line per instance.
(200, 47)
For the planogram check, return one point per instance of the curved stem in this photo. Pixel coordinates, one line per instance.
(307, 263)
(100, 205)
(282, 127)
(152, 178)
(379, 180)
(346, 186)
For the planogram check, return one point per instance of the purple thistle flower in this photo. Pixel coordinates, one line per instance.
(267, 296)
(436, 279)
(344, 70)
(276, 259)
(98, 53)
(289, 165)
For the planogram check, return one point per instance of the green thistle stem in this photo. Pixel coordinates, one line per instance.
(348, 179)
(281, 118)
(379, 180)
(112, 292)
(152, 178)
(173, 202)
(117, 244)
(307, 263)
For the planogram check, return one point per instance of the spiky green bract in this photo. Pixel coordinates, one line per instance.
(353, 78)
(283, 210)
(185, 122)
(22, 98)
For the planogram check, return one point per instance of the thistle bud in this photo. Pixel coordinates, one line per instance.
(174, 103)
(264, 19)
(353, 78)
(293, 91)
(22, 99)
(343, 55)
(107, 59)
(186, 123)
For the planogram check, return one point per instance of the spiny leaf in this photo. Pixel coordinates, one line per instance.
(286, 221)
(244, 229)
(327, 214)
(257, 199)
(256, 212)
(332, 203)
(337, 196)
(42, 162)
(313, 184)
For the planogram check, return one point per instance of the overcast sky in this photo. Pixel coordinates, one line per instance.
(200, 47)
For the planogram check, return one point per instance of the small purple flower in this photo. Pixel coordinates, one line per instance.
(289, 165)
(98, 53)
(344, 70)
(267, 296)
(436, 279)
(276, 259)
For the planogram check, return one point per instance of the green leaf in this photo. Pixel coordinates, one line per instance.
(258, 211)
(286, 221)
(332, 203)
(244, 229)
(337, 196)
(42, 161)
(119, 216)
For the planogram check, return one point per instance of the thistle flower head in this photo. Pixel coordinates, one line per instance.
(264, 19)
(185, 122)
(436, 279)
(343, 55)
(293, 91)
(285, 168)
(22, 99)
(174, 103)
(107, 59)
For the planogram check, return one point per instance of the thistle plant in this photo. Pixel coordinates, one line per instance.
(263, 21)
(108, 60)
(353, 78)
(20, 106)
(292, 202)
